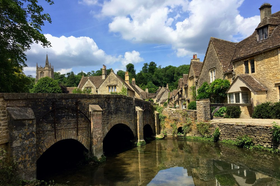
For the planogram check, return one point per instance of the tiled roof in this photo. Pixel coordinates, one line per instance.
(96, 80)
(254, 84)
(251, 46)
(196, 66)
(225, 51)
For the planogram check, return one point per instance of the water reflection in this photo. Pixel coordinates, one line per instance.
(172, 162)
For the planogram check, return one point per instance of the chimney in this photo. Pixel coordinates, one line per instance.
(167, 86)
(265, 10)
(104, 72)
(133, 81)
(195, 58)
(126, 77)
(147, 90)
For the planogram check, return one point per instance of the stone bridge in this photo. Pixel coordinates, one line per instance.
(31, 123)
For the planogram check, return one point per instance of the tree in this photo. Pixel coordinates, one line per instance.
(131, 70)
(121, 73)
(20, 26)
(46, 85)
(218, 90)
(203, 91)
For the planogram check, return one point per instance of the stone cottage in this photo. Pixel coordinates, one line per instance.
(256, 64)
(217, 62)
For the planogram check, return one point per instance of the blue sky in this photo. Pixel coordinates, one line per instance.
(88, 33)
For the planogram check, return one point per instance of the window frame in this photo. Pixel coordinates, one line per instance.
(262, 33)
(246, 66)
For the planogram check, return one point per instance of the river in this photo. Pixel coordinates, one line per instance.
(179, 162)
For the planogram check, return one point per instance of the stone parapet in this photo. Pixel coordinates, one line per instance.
(4, 135)
(203, 110)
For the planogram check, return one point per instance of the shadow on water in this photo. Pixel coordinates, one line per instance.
(181, 162)
(61, 156)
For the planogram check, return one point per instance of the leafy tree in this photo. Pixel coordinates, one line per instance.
(46, 85)
(152, 67)
(131, 70)
(121, 73)
(203, 91)
(218, 90)
(20, 26)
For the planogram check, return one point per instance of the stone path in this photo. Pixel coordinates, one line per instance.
(250, 121)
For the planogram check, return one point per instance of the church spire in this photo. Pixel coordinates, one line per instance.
(47, 61)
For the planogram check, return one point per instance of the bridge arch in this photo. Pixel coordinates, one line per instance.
(63, 154)
(148, 131)
(120, 137)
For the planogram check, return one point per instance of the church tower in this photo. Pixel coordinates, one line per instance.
(46, 71)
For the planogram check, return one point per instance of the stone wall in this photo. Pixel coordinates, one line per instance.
(261, 134)
(179, 117)
(203, 110)
(3, 123)
(267, 68)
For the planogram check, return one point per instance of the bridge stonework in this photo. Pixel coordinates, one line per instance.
(32, 123)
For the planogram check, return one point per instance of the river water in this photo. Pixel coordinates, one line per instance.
(180, 162)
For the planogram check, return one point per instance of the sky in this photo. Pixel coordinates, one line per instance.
(85, 34)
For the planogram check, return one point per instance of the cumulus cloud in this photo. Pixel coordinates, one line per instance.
(131, 57)
(186, 25)
(69, 52)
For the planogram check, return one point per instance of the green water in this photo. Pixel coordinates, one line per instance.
(180, 162)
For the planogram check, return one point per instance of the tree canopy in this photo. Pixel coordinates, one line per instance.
(46, 85)
(20, 26)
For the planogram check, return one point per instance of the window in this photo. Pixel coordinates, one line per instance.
(112, 88)
(245, 97)
(212, 74)
(252, 64)
(246, 67)
(237, 98)
(263, 33)
(231, 98)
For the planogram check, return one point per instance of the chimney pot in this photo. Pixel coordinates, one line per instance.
(265, 10)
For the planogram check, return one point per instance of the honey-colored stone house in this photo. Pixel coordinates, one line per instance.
(194, 72)
(107, 84)
(217, 61)
(256, 64)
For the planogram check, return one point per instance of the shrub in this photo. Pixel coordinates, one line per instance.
(244, 141)
(203, 128)
(221, 112)
(276, 132)
(263, 110)
(192, 105)
(276, 110)
(216, 134)
(174, 128)
(233, 112)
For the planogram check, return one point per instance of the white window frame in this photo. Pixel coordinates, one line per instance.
(212, 74)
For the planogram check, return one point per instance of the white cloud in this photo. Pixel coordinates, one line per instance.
(69, 52)
(131, 57)
(88, 2)
(186, 25)
(30, 71)
(65, 71)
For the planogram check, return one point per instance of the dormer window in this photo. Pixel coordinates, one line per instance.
(263, 33)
